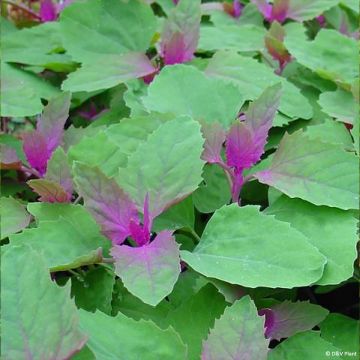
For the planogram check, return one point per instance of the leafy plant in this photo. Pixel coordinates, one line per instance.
(179, 179)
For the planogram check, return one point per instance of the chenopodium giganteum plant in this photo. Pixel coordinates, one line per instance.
(188, 174)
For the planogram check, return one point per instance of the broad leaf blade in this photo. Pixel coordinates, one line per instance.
(324, 227)
(106, 27)
(180, 33)
(167, 166)
(27, 290)
(130, 339)
(108, 71)
(287, 319)
(110, 206)
(253, 78)
(238, 334)
(150, 271)
(237, 239)
(183, 89)
(321, 173)
(14, 217)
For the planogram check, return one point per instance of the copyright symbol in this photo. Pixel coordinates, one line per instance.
(327, 353)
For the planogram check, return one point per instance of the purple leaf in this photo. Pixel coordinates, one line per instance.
(52, 121)
(150, 271)
(57, 184)
(246, 139)
(39, 144)
(58, 171)
(276, 12)
(107, 202)
(214, 136)
(48, 11)
(36, 151)
(287, 319)
(180, 34)
(49, 191)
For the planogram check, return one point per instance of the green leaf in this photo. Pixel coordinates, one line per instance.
(133, 307)
(321, 173)
(351, 4)
(38, 45)
(149, 272)
(108, 71)
(104, 27)
(324, 227)
(39, 321)
(302, 10)
(339, 104)
(342, 332)
(108, 150)
(130, 339)
(327, 61)
(14, 217)
(331, 132)
(94, 290)
(167, 166)
(67, 236)
(19, 84)
(214, 192)
(178, 216)
(98, 151)
(232, 37)
(183, 89)
(306, 345)
(238, 334)
(252, 78)
(237, 240)
(193, 318)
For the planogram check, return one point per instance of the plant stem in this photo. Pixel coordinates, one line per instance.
(30, 170)
(77, 200)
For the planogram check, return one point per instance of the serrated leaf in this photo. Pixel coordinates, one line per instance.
(27, 290)
(302, 10)
(232, 37)
(184, 90)
(253, 78)
(327, 61)
(37, 45)
(67, 236)
(49, 191)
(109, 205)
(339, 104)
(305, 345)
(150, 271)
(180, 33)
(321, 173)
(108, 71)
(197, 313)
(236, 240)
(130, 339)
(14, 217)
(167, 166)
(324, 227)
(107, 27)
(214, 192)
(18, 84)
(94, 290)
(98, 151)
(341, 331)
(238, 334)
(287, 319)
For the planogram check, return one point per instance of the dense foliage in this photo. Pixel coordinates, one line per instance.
(179, 179)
